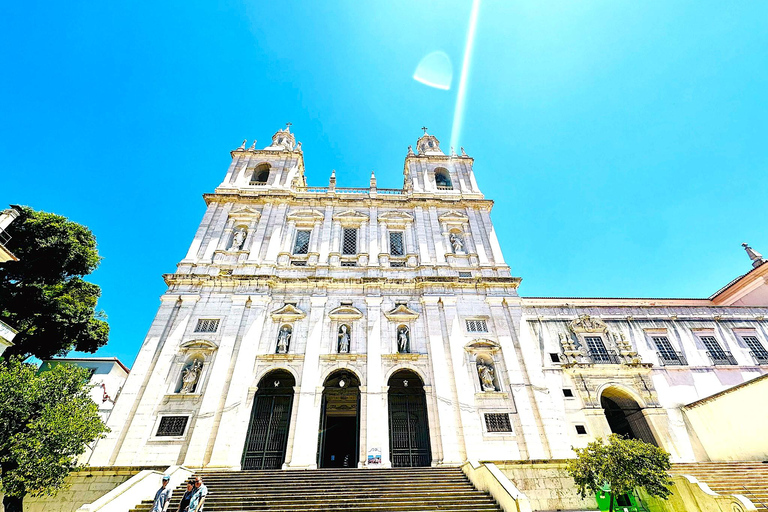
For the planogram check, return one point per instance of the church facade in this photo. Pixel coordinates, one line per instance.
(363, 327)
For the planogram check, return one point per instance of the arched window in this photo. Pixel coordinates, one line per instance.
(443, 179)
(260, 175)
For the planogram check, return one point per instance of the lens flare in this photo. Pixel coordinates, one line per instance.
(458, 112)
(435, 70)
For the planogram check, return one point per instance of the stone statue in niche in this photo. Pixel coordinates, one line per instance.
(457, 243)
(403, 340)
(486, 372)
(343, 340)
(284, 340)
(238, 240)
(190, 375)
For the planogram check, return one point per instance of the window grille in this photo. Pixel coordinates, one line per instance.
(716, 352)
(302, 242)
(348, 263)
(757, 349)
(396, 247)
(667, 353)
(581, 429)
(477, 326)
(207, 325)
(465, 274)
(349, 244)
(172, 426)
(597, 350)
(497, 422)
(397, 264)
(298, 263)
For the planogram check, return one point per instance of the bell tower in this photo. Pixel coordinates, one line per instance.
(430, 171)
(277, 166)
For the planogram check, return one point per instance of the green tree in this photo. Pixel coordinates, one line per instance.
(46, 420)
(624, 464)
(43, 295)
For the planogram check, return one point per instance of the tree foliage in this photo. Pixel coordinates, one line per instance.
(46, 420)
(43, 295)
(624, 464)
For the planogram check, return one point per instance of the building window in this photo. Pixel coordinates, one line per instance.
(397, 264)
(172, 426)
(260, 175)
(716, 352)
(465, 274)
(349, 242)
(207, 325)
(348, 263)
(443, 179)
(581, 430)
(756, 349)
(298, 263)
(567, 393)
(667, 354)
(497, 422)
(301, 246)
(597, 351)
(554, 357)
(396, 247)
(477, 326)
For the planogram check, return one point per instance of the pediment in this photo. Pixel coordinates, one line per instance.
(287, 313)
(402, 313)
(244, 213)
(351, 216)
(586, 323)
(482, 344)
(345, 313)
(205, 345)
(306, 215)
(454, 216)
(395, 218)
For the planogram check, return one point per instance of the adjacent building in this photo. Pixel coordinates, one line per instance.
(365, 327)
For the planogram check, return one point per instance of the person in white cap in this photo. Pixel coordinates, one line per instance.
(162, 496)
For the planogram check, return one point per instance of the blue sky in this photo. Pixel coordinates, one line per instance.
(623, 142)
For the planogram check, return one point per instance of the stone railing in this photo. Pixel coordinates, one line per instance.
(487, 477)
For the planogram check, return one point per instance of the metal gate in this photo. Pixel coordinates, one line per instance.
(267, 436)
(408, 425)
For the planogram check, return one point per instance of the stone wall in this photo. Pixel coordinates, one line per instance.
(546, 484)
(85, 486)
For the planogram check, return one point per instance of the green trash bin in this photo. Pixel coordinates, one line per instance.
(622, 503)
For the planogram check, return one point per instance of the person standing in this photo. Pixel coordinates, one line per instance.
(184, 504)
(162, 496)
(198, 497)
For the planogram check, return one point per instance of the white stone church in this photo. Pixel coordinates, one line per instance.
(329, 326)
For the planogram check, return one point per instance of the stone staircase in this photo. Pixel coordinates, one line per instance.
(367, 490)
(749, 479)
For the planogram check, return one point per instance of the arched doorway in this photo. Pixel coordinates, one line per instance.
(625, 416)
(267, 436)
(339, 438)
(408, 424)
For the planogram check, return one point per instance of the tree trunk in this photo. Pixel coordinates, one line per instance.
(13, 503)
(611, 505)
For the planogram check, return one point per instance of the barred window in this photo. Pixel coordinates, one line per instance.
(397, 264)
(207, 325)
(713, 347)
(597, 349)
(348, 263)
(298, 263)
(349, 244)
(497, 422)
(477, 326)
(302, 242)
(465, 274)
(756, 347)
(172, 426)
(396, 247)
(666, 351)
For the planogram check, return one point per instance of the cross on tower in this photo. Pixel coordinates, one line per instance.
(425, 129)
(288, 126)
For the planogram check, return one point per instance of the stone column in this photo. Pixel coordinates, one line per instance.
(205, 424)
(498, 257)
(477, 237)
(275, 239)
(421, 233)
(217, 232)
(377, 427)
(447, 401)
(437, 234)
(374, 246)
(194, 248)
(326, 235)
(235, 414)
(256, 245)
(310, 390)
(314, 243)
